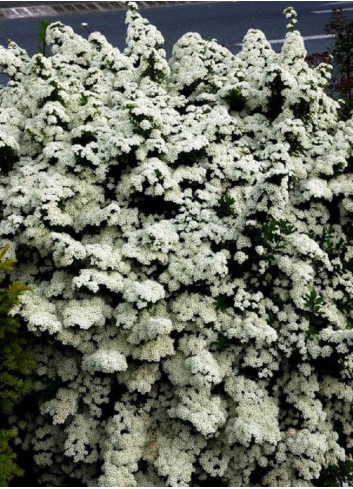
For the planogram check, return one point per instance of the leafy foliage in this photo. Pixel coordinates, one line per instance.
(225, 207)
(313, 304)
(8, 466)
(42, 37)
(222, 302)
(16, 363)
(340, 475)
(83, 99)
(341, 57)
(221, 344)
(342, 52)
(271, 234)
(235, 99)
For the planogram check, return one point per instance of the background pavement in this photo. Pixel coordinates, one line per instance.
(228, 22)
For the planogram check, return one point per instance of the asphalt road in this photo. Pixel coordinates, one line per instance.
(226, 21)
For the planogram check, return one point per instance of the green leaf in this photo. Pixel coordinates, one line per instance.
(313, 302)
(42, 36)
(16, 363)
(222, 302)
(235, 99)
(221, 344)
(83, 99)
(225, 207)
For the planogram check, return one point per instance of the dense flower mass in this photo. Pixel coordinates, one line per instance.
(187, 226)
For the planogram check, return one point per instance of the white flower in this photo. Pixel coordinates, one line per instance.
(106, 361)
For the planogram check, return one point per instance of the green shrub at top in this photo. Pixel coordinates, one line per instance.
(16, 363)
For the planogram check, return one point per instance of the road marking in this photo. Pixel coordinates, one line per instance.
(79, 7)
(329, 11)
(335, 3)
(305, 38)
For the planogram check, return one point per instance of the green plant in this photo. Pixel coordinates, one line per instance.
(16, 363)
(221, 343)
(83, 99)
(271, 234)
(235, 99)
(42, 37)
(313, 304)
(225, 206)
(337, 475)
(341, 28)
(340, 55)
(222, 302)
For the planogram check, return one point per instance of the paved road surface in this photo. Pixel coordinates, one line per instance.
(225, 21)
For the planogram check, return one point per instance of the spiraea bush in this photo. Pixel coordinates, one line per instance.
(187, 226)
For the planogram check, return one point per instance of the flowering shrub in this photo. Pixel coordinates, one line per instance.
(187, 226)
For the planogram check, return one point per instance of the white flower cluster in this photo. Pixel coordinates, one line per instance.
(291, 15)
(187, 228)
